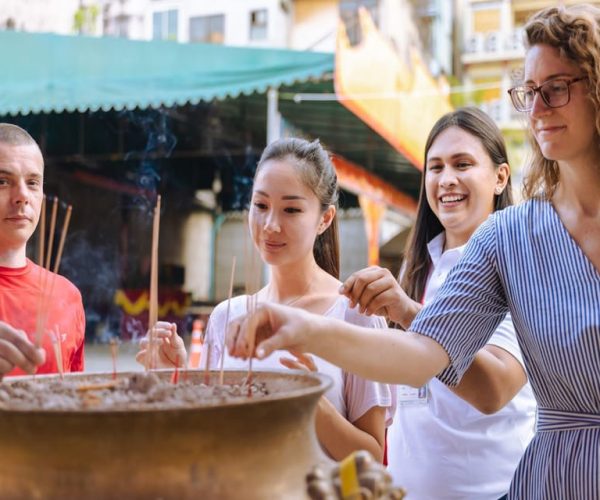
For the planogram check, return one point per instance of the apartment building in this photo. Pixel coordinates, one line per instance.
(46, 16)
(492, 59)
(290, 24)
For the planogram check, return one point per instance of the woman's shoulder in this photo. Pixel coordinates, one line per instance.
(236, 308)
(515, 221)
(510, 233)
(534, 209)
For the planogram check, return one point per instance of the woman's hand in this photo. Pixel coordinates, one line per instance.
(169, 348)
(301, 362)
(376, 291)
(269, 328)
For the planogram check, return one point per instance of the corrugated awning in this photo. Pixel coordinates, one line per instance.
(50, 74)
(44, 73)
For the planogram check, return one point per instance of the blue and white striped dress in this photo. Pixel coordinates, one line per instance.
(524, 261)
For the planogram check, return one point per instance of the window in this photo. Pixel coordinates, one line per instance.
(207, 29)
(258, 24)
(426, 14)
(486, 20)
(164, 25)
(121, 27)
(349, 15)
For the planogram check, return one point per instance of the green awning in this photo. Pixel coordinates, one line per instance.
(49, 74)
(43, 73)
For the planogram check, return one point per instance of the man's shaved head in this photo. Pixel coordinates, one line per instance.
(13, 135)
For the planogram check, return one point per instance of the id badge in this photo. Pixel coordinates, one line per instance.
(408, 395)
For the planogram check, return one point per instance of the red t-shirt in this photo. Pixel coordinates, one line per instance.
(20, 291)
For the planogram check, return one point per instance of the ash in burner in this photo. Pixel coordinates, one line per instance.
(140, 391)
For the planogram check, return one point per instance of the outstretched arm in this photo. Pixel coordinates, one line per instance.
(375, 354)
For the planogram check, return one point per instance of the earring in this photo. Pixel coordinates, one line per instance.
(498, 190)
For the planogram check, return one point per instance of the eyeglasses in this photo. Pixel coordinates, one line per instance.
(555, 93)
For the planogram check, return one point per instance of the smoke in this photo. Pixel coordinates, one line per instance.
(154, 124)
(239, 192)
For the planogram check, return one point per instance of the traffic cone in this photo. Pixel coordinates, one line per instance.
(196, 344)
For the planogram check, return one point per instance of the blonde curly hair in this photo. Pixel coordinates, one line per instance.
(575, 32)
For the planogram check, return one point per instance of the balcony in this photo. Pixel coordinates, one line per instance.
(504, 114)
(493, 46)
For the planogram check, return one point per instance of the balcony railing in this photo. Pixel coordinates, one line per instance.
(503, 113)
(494, 45)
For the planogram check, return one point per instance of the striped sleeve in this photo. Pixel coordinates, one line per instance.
(469, 306)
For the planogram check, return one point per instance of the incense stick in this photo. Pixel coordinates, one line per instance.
(57, 345)
(63, 236)
(51, 235)
(40, 320)
(206, 365)
(249, 376)
(252, 291)
(114, 350)
(227, 320)
(175, 378)
(153, 306)
(43, 281)
(42, 234)
(98, 387)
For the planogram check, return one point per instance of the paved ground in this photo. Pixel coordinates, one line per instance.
(98, 358)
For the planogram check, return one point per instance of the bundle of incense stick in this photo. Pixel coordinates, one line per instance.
(153, 307)
(48, 280)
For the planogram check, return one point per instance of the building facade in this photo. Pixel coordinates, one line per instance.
(47, 16)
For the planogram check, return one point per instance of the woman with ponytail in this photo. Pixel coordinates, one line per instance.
(293, 225)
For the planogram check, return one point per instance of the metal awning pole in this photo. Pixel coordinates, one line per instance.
(273, 133)
(273, 115)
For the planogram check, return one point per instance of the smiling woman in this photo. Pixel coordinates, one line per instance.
(466, 178)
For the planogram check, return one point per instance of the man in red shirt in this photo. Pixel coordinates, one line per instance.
(22, 281)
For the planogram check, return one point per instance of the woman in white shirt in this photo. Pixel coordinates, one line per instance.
(293, 225)
(459, 443)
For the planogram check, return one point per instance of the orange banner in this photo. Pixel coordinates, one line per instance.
(359, 181)
(393, 93)
(373, 212)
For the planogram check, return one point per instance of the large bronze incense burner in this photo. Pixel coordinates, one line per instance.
(250, 448)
